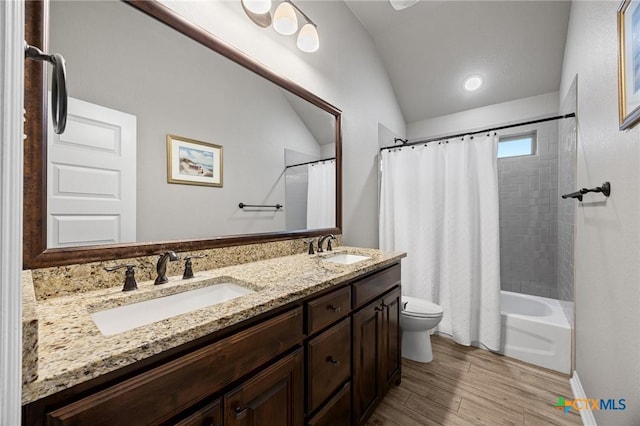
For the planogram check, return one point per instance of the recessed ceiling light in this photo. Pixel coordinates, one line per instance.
(472, 83)
(402, 4)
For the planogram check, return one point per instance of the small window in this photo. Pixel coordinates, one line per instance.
(517, 145)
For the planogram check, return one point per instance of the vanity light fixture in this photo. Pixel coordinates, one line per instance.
(472, 83)
(257, 6)
(285, 21)
(308, 40)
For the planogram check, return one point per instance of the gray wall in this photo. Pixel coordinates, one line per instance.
(607, 274)
(488, 116)
(528, 191)
(191, 92)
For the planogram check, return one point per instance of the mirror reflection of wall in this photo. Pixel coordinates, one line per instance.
(124, 60)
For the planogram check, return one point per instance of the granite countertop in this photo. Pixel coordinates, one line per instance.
(71, 349)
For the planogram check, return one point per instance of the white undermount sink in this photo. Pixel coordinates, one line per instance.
(345, 258)
(116, 320)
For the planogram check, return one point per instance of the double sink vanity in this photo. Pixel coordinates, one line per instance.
(263, 334)
(292, 340)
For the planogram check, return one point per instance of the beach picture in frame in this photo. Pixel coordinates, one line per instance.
(629, 63)
(192, 162)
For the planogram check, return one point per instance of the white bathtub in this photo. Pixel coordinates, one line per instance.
(535, 330)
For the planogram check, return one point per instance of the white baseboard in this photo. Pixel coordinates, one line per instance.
(579, 393)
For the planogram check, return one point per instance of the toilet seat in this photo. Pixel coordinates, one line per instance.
(420, 308)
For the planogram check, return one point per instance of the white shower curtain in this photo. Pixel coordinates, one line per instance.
(321, 198)
(439, 203)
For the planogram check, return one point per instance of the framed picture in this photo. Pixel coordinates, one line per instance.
(191, 162)
(629, 63)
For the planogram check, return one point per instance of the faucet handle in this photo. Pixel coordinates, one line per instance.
(171, 255)
(195, 256)
(310, 244)
(129, 277)
(188, 265)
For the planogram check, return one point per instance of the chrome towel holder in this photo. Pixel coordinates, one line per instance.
(605, 189)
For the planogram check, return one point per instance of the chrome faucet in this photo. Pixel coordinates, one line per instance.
(321, 241)
(161, 267)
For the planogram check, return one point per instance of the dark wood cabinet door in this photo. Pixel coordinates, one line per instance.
(390, 339)
(367, 327)
(336, 412)
(273, 397)
(328, 363)
(209, 415)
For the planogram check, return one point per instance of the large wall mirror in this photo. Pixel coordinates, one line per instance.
(169, 130)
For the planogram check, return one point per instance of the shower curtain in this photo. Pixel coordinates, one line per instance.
(321, 198)
(439, 203)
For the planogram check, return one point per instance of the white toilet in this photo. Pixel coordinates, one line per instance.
(417, 318)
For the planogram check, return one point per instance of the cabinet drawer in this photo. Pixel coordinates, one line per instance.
(158, 394)
(209, 415)
(337, 412)
(327, 309)
(374, 285)
(329, 361)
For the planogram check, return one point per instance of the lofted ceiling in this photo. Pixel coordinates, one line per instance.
(428, 50)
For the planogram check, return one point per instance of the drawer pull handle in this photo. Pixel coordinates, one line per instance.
(334, 308)
(379, 308)
(240, 412)
(335, 362)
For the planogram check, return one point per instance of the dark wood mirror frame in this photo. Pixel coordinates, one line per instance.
(35, 252)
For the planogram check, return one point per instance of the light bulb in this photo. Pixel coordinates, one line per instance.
(285, 20)
(308, 40)
(472, 83)
(257, 6)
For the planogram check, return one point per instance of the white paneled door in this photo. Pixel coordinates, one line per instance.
(91, 178)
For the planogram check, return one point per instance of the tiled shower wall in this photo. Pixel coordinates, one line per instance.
(567, 144)
(528, 190)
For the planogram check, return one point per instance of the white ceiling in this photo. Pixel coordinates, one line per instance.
(430, 48)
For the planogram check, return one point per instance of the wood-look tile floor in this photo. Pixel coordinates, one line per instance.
(471, 386)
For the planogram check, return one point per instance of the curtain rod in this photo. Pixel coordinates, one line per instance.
(440, 138)
(311, 162)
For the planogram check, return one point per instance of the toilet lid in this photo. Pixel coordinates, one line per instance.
(416, 307)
